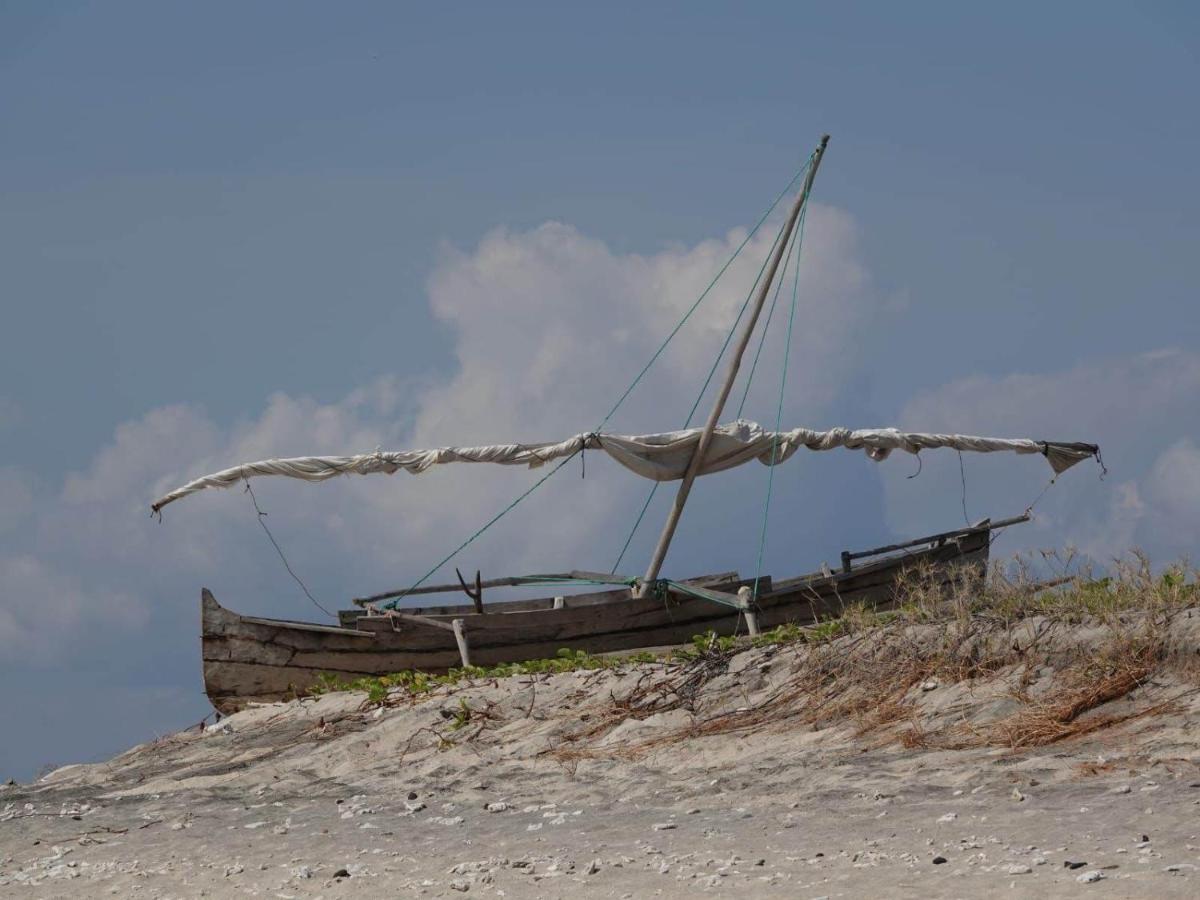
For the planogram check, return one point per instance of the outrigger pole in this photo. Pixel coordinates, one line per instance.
(685, 487)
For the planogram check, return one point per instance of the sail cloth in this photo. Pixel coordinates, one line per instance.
(659, 457)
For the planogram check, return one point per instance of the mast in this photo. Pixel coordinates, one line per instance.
(685, 487)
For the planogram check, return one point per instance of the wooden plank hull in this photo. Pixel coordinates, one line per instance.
(254, 659)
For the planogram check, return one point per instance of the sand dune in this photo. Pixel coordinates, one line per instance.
(1042, 758)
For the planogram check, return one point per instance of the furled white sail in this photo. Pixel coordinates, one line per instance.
(660, 457)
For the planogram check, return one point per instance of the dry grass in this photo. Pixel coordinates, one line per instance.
(865, 671)
(1060, 716)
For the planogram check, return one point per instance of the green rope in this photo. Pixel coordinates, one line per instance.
(762, 338)
(632, 531)
(704, 387)
(391, 604)
(700, 299)
(787, 351)
(657, 353)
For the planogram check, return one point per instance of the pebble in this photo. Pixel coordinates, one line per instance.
(498, 806)
(938, 860)
(1090, 877)
(663, 826)
(1017, 869)
(948, 817)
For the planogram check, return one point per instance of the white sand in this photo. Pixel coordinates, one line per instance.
(273, 803)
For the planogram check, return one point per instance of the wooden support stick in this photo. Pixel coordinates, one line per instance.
(460, 635)
(746, 604)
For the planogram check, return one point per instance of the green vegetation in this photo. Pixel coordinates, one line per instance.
(416, 683)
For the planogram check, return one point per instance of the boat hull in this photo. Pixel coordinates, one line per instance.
(249, 659)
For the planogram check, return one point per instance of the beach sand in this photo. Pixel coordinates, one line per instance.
(631, 782)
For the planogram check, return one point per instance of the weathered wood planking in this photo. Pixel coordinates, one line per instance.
(248, 658)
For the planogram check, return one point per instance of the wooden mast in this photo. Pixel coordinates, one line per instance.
(685, 487)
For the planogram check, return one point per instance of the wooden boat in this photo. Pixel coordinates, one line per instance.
(250, 659)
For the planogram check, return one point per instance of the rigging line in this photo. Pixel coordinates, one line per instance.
(700, 299)
(1037, 499)
(704, 387)
(733, 328)
(632, 531)
(636, 380)
(262, 521)
(766, 326)
(787, 352)
(1049, 484)
(391, 604)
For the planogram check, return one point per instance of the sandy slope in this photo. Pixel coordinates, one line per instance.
(328, 798)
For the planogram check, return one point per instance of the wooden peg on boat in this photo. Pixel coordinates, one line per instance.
(476, 593)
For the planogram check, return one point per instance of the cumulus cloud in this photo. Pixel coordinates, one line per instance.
(43, 607)
(1140, 409)
(1172, 495)
(16, 498)
(549, 326)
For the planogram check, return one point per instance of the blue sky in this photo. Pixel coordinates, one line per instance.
(282, 228)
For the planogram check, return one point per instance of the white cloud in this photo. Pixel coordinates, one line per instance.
(549, 327)
(1133, 407)
(1172, 491)
(43, 608)
(16, 498)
